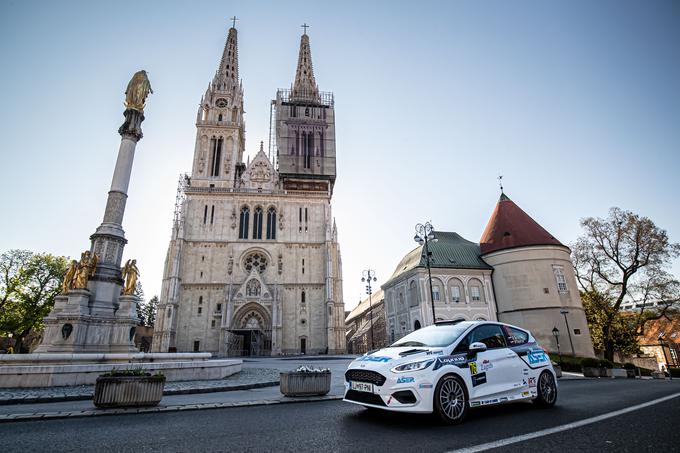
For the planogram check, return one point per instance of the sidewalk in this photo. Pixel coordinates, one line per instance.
(259, 377)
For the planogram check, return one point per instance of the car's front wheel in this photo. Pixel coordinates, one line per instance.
(547, 390)
(451, 399)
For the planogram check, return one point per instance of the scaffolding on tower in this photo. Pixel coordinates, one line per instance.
(182, 183)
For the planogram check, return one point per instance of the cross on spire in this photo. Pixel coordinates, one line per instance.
(305, 27)
(500, 182)
(233, 21)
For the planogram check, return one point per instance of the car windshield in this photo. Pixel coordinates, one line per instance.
(433, 336)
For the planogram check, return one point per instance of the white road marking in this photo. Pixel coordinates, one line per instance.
(558, 429)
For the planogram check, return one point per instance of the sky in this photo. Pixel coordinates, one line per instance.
(575, 103)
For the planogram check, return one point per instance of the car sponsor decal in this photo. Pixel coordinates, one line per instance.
(425, 386)
(525, 371)
(526, 394)
(503, 399)
(405, 379)
(485, 365)
(459, 360)
(440, 352)
(475, 403)
(371, 358)
(478, 379)
(532, 382)
(536, 356)
(473, 367)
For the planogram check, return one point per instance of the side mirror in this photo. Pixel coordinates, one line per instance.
(476, 347)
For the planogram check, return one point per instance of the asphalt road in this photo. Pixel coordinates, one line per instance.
(338, 426)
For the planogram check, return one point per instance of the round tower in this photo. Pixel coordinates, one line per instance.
(534, 280)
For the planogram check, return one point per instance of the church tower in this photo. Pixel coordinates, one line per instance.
(305, 130)
(220, 135)
(253, 265)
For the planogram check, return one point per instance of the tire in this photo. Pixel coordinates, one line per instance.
(547, 390)
(451, 399)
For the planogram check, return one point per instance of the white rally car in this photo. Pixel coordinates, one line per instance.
(451, 366)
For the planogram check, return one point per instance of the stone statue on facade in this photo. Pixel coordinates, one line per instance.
(69, 277)
(137, 90)
(86, 267)
(130, 275)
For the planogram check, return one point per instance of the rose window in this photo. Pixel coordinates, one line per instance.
(256, 261)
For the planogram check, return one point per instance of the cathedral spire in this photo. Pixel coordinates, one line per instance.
(304, 87)
(226, 78)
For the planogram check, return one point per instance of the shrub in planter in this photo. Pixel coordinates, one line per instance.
(306, 381)
(125, 388)
(591, 367)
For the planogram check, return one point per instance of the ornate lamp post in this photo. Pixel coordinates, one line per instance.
(425, 235)
(566, 321)
(556, 334)
(368, 276)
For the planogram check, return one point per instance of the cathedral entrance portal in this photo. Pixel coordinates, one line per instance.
(251, 332)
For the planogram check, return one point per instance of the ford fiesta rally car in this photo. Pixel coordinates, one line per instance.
(450, 366)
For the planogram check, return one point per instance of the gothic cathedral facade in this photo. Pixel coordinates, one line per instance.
(253, 266)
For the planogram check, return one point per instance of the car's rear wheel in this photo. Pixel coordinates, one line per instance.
(451, 399)
(547, 390)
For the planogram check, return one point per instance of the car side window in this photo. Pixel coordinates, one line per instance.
(515, 337)
(491, 335)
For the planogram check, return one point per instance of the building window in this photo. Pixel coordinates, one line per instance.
(577, 331)
(300, 220)
(205, 215)
(197, 346)
(303, 297)
(271, 223)
(212, 323)
(475, 293)
(435, 293)
(200, 310)
(212, 214)
(200, 300)
(416, 325)
(413, 294)
(218, 308)
(560, 279)
(255, 260)
(303, 265)
(306, 220)
(216, 145)
(455, 294)
(257, 223)
(243, 225)
(219, 117)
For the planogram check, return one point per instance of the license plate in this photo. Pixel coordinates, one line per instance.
(361, 386)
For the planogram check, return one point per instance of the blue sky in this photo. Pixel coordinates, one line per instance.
(576, 103)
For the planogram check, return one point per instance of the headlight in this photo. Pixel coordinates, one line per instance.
(413, 366)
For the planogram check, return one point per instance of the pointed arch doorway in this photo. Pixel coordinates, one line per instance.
(251, 332)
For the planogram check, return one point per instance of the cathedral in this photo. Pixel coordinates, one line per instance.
(253, 266)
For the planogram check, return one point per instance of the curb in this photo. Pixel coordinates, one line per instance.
(8, 418)
(83, 397)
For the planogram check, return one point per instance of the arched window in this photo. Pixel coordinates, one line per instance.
(303, 297)
(271, 223)
(216, 155)
(257, 223)
(416, 325)
(413, 295)
(243, 225)
(219, 117)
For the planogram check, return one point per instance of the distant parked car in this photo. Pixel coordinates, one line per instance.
(449, 367)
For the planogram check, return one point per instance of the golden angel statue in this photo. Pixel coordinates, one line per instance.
(130, 275)
(85, 270)
(137, 90)
(69, 277)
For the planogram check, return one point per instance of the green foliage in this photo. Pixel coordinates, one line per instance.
(131, 372)
(29, 283)
(589, 362)
(568, 363)
(604, 363)
(146, 311)
(601, 313)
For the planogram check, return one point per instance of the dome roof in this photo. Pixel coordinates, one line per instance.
(510, 227)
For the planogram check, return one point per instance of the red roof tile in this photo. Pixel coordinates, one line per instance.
(510, 227)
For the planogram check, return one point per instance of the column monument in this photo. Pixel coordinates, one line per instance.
(97, 310)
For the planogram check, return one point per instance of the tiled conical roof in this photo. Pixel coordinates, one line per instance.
(511, 227)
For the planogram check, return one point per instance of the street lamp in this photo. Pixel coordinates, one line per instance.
(368, 275)
(556, 334)
(566, 321)
(425, 235)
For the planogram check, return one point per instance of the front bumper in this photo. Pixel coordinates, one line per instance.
(403, 392)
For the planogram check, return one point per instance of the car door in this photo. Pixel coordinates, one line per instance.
(493, 372)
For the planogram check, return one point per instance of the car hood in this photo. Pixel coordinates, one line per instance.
(397, 356)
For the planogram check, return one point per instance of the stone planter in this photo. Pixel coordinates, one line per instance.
(589, 371)
(630, 374)
(305, 384)
(606, 372)
(619, 373)
(127, 391)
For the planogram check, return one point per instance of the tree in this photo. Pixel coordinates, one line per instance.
(624, 257)
(29, 283)
(148, 312)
